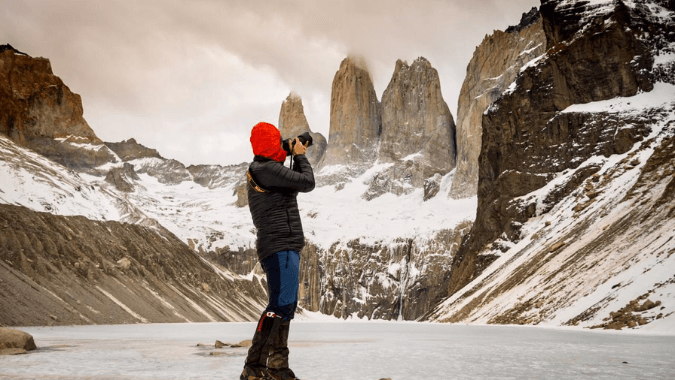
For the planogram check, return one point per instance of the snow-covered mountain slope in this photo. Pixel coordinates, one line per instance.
(84, 252)
(29, 179)
(605, 254)
(575, 182)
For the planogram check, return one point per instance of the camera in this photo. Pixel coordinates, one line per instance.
(288, 145)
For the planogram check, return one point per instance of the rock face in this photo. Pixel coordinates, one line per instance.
(415, 118)
(167, 171)
(494, 66)
(418, 131)
(292, 122)
(122, 177)
(355, 117)
(594, 52)
(378, 281)
(38, 110)
(86, 272)
(35, 102)
(131, 150)
(213, 176)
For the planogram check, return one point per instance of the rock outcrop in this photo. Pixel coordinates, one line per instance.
(594, 52)
(38, 110)
(292, 122)
(131, 150)
(355, 118)
(214, 176)
(418, 131)
(14, 341)
(35, 102)
(122, 177)
(494, 66)
(167, 171)
(81, 271)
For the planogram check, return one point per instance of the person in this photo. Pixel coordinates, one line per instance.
(272, 198)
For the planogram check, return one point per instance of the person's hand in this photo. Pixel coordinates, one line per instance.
(299, 148)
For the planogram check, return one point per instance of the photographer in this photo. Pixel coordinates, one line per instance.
(272, 198)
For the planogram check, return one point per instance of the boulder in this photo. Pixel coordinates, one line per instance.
(14, 341)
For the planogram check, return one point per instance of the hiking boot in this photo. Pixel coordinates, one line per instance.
(281, 374)
(254, 373)
(278, 361)
(256, 360)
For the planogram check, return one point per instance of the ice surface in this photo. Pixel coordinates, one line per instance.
(360, 350)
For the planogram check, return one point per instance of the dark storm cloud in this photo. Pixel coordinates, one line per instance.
(190, 78)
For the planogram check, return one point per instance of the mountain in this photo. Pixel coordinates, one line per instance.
(91, 256)
(292, 123)
(386, 262)
(38, 111)
(415, 118)
(382, 262)
(572, 223)
(408, 140)
(418, 132)
(575, 187)
(81, 240)
(493, 67)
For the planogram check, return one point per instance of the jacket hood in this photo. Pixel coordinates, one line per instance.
(266, 142)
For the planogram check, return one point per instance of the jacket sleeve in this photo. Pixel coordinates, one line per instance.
(301, 178)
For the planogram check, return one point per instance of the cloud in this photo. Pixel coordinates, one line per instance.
(179, 75)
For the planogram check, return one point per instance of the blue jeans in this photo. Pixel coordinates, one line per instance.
(282, 270)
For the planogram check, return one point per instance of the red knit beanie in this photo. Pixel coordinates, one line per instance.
(266, 141)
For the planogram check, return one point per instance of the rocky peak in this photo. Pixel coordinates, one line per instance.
(292, 122)
(526, 20)
(11, 48)
(415, 118)
(130, 150)
(418, 131)
(355, 120)
(494, 66)
(123, 177)
(38, 111)
(35, 103)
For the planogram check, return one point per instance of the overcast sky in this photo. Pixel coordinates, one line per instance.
(191, 78)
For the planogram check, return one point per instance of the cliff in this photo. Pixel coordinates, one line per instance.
(494, 66)
(38, 110)
(355, 117)
(397, 280)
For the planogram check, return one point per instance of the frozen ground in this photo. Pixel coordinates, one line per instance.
(360, 350)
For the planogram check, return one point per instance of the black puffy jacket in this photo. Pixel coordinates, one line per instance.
(275, 212)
